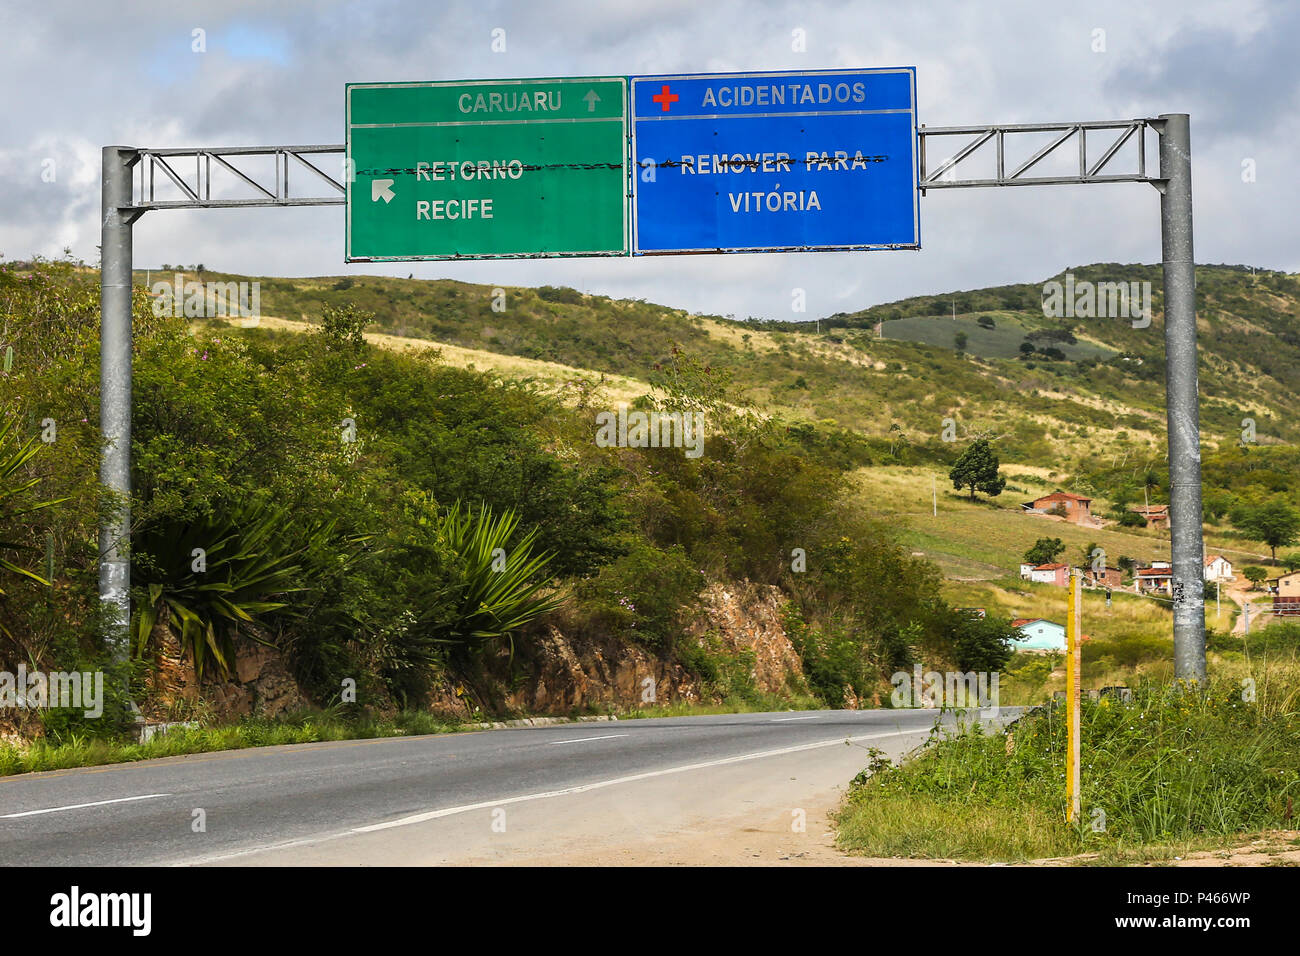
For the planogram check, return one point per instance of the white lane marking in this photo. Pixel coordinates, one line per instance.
(80, 806)
(451, 811)
(583, 740)
(777, 720)
(632, 778)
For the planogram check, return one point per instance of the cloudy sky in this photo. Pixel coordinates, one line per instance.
(81, 75)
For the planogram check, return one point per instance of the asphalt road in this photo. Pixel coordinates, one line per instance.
(442, 798)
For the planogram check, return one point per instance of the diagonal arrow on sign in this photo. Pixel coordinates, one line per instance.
(378, 188)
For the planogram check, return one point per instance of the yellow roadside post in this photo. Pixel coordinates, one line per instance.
(1073, 657)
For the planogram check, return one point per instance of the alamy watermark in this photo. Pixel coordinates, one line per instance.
(952, 689)
(38, 690)
(1085, 299)
(654, 429)
(208, 300)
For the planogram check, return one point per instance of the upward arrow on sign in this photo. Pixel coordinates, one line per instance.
(591, 99)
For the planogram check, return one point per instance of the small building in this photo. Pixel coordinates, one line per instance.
(1040, 635)
(1074, 508)
(1025, 568)
(1103, 577)
(1157, 579)
(1218, 568)
(1058, 574)
(1157, 515)
(1286, 593)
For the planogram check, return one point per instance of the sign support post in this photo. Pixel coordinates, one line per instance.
(1174, 183)
(1187, 544)
(115, 396)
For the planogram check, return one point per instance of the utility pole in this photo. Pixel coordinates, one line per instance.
(934, 491)
(115, 395)
(1187, 543)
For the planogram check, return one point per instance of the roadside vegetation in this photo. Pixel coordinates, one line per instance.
(396, 528)
(353, 493)
(1174, 769)
(64, 751)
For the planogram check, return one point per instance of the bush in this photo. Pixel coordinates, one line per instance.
(641, 596)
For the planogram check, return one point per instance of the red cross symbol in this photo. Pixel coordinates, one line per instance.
(664, 98)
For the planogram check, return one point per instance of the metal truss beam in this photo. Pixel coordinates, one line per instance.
(946, 175)
(195, 181)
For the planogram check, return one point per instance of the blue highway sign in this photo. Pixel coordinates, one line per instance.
(775, 162)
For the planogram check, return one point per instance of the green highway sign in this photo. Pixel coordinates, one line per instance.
(487, 169)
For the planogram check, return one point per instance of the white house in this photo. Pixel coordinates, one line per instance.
(1040, 635)
(1218, 568)
(1025, 568)
(1056, 573)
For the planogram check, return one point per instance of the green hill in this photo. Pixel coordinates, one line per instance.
(1103, 397)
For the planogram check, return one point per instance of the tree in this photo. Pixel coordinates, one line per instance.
(1275, 523)
(1045, 550)
(1026, 349)
(896, 429)
(960, 340)
(1291, 561)
(977, 469)
(1131, 519)
(344, 327)
(981, 643)
(1254, 574)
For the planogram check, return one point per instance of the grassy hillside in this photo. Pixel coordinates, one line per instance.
(1105, 397)
(1092, 422)
(1083, 410)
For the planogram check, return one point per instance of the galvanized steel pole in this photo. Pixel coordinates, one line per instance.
(115, 396)
(1182, 398)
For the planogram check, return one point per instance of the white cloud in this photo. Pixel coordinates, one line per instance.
(274, 75)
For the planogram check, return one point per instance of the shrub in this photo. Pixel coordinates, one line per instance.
(1131, 519)
(642, 595)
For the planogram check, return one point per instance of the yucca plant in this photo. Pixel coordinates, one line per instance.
(12, 486)
(248, 565)
(497, 587)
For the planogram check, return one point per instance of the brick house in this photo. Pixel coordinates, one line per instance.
(1157, 515)
(1105, 578)
(1077, 509)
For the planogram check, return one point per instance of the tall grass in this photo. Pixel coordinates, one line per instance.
(1176, 765)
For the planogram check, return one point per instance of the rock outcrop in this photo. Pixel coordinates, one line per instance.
(549, 673)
